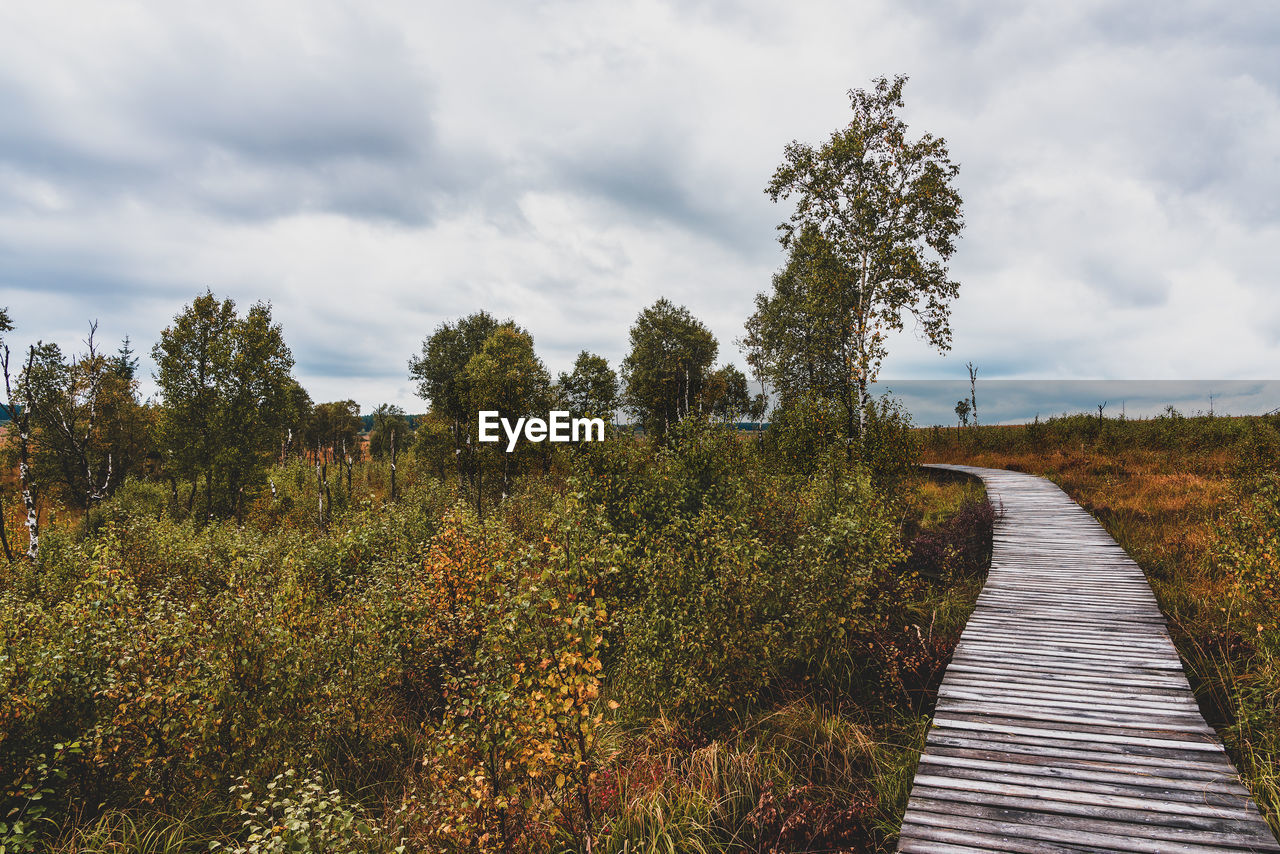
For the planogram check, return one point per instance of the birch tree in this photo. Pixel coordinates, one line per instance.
(591, 389)
(670, 358)
(885, 207)
(391, 434)
(17, 410)
(89, 428)
(229, 398)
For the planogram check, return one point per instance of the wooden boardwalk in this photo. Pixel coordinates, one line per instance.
(1064, 721)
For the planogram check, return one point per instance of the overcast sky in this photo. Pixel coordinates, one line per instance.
(373, 169)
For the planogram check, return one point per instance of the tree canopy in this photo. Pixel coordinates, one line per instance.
(507, 376)
(876, 218)
(89, 430)
(441, 368)
(391, 429)
(334, 431)
(229, 397)
(726, 395)
(671, 354)
(591, 389)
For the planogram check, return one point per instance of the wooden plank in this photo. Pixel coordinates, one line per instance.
(1124, 753)
(1121, 838)
(1228, 835)
(1152, 777)
(1031, 686)
(1225, 795)
(1111, 720)
(954, 840)
(1065, 761)
(1064, 721)
(974, 790)
(1077, 810)
(1050, 728)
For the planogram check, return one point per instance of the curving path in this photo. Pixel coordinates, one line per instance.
(1064, 721)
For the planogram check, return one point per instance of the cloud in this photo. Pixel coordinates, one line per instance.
(373, 171)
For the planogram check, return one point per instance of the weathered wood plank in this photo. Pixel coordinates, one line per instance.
(1226, 834)
(1151, 777)
(1120, 838)
(1065, 721)
(1073, 810)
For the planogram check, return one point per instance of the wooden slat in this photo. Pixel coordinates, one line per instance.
(1065, 721)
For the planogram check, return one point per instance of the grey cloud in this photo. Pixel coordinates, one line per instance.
(1108, 151)
(245, 125)
(654, 177)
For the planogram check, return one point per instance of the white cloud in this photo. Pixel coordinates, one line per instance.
(373, 171)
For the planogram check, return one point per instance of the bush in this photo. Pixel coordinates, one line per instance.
(298, 815)
(473, 678)
(959, 547)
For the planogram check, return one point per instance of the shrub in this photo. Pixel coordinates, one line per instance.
(959, 547)
(298, 815)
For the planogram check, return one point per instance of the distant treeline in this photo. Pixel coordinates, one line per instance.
(368, 420)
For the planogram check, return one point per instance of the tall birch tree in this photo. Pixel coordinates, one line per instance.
(886, 209)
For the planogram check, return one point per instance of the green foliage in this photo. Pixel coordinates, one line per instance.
(1247, 549)
(876, 218)
(666, 369)
(229, 398)
(333, 431)
(706, 634)
(89, 429)
(390, 430)
(298, 815)
(1250, 442)
(508, 377)
(433, 445)
(440, 369)
(798, 337)
(890, 446)
(469, 685)
(807, 436)
(28, 798)
(591, 390)
(725, 395)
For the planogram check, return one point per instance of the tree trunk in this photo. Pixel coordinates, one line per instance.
(28, 500)
(23, 423)
(393, 465)
(4, 532)
(322, 485)
(850, 429)
(584, 802)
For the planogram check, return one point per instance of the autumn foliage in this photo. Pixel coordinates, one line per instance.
(629, 630)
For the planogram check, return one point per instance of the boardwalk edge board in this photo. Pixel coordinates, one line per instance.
(1065, 721)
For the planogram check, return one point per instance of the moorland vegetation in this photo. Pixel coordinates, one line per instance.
(232, 622)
